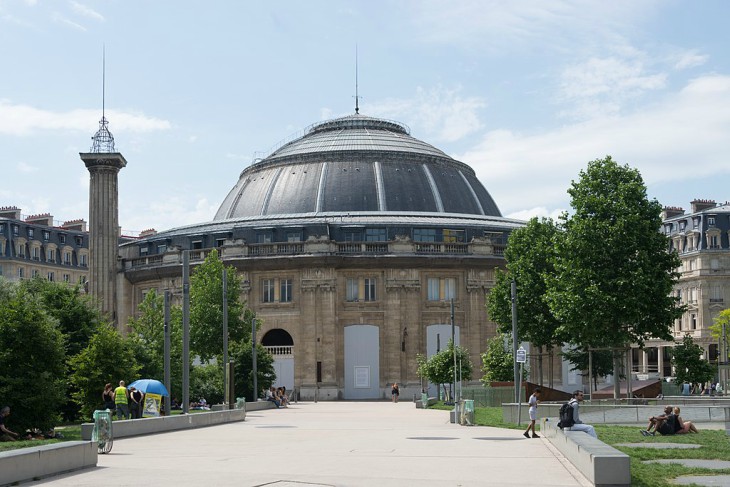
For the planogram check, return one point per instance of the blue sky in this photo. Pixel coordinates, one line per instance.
(525, 92)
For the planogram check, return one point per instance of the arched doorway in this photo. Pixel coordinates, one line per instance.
(280, 344)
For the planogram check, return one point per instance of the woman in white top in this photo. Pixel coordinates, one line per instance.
(532, 402)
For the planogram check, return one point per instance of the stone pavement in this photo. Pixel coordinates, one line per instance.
(332, 444)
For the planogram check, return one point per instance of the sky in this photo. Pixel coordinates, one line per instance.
(526, 93)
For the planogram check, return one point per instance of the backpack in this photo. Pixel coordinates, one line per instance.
(566, 416)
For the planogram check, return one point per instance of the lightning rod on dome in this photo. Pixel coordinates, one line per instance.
(357, 97)
(103, 140)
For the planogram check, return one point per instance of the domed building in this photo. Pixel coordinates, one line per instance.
(357, 245)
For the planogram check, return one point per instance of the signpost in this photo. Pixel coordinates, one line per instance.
(520, 358)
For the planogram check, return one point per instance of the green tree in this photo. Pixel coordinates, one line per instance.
(206, 381)
(689, 364)
(530, 256)
(109, 357)
(206, 308)
(32, 360)
(148, 341)
(439, 368)
(497, 360)
(720, 324)
(613, 276)
(242, 355)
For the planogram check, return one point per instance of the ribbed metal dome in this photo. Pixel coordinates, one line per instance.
(357, 164)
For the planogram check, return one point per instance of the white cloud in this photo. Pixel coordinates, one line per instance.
(165, 212)
(24, 167)
(57, 17)
(600, 86)
(18, 119)
(86, 11)
(689, 59)
(440, 112)
(684, 136)
(495, 25)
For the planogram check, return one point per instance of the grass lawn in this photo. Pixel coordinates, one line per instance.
(715, 446)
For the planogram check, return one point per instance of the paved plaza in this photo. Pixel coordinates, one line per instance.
(332, 444)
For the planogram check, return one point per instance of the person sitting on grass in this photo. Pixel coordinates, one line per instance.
(5, 433)
(682, 427)
(656, 421)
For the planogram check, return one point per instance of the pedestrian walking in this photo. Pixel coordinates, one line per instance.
(532, 402)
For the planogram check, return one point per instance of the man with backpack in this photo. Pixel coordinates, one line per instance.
(572, 422)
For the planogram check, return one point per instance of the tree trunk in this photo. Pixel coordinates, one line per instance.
(616, 375)
(539, 364)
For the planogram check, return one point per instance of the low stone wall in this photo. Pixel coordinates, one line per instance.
(34, 463)
(260, 405)
(147, 426)
(603, 413)
(602, 464)
(431, 401)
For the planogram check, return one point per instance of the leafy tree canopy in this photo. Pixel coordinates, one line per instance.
(242, 355)
(722, 318)
(32, 360)
(688, 362)
(439, 368)
(206, 308)
(613, 275)
(498, 360)
(530, 256)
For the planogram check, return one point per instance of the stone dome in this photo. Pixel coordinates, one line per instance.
(357, 164)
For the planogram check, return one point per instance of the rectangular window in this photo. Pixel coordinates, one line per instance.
(370, 289)
(79, 241)
(31, 232)
(453, 236)
(714, 242)
(197, 244)
(36, 273)
(51, 255)
(352, 289)
(219, 242)
(15, 230)
(267, 287)
(693, 322)
(264, 237)
(443, 289)
(51, 276)
(35, 253)
(375, 235)
(1, 270)
(711, 220)
(161, 249)
(433, 289)
(716, 294)
(21, 272)
(66, 278)
(353, 236)
(62, 238)
(449, 289)
(285, 290)
(424, 234)
(143, 251)
(83, 259)
(293, 236)
(67, 258)
(21, 251)
(46, 235)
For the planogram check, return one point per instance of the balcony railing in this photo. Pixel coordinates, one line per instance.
(279, 350)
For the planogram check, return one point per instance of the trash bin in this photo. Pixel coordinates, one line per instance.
(467, 413)
(424, 400)
(102, 433)
(240, 403)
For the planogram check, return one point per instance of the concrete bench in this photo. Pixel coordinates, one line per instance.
(431, 401)
(146, 426)
(602, 464)
(38, 462)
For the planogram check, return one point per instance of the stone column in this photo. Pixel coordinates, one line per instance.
(660, 361)
(104, 228)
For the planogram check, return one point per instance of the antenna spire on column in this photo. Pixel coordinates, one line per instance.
(103, 140)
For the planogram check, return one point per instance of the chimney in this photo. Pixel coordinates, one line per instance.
(147, 233)
(78, 225)
(671, 212)
(44, 219)
(12, 212)
(701, 205)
